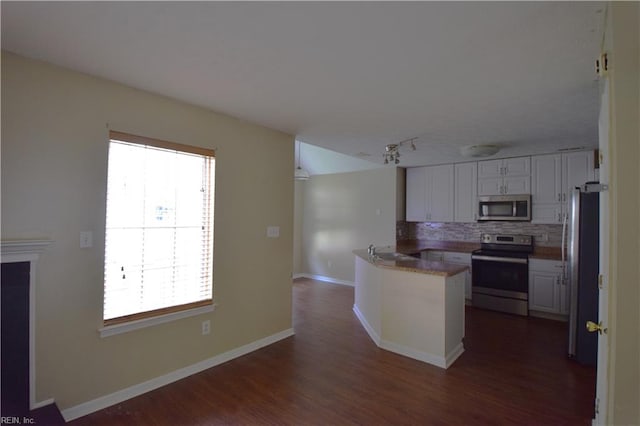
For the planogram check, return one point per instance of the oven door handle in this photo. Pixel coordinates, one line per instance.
(500, 259)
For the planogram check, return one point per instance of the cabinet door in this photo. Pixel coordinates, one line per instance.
(432, 255)
(489, 169)
(546, 179)
(489, 186)
(416, 194)
(543, 291)
(577, 168)
(516, 185)
(546, 213)
(440, 193)
(466, 187)
(520, 166)
(457, 257)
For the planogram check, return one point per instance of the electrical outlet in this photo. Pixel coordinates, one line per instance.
(273, 231)
(206, 327)
(86, 239)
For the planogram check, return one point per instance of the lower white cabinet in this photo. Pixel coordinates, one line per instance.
(548, 291)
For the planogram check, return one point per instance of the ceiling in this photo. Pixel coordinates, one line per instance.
(348, 77)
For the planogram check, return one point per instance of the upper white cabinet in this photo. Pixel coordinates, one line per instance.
(507, 176)
(552, 178)
(466, 192)
(416, 194)
(429, 193)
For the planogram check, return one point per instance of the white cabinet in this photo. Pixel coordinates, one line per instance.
(507, 176)
(415, 194)
(548, 291)
(429, 194)
(552, 178)
(466, 186)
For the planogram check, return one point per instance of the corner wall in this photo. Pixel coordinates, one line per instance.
(54, 174)
(343, 212)
(622, 42)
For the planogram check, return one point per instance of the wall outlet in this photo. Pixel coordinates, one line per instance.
(206, 327)
(86, 239)
(273, 231)
(329, 264)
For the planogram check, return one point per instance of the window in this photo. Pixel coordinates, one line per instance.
(159, 228)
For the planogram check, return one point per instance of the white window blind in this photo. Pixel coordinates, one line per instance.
(159, 228)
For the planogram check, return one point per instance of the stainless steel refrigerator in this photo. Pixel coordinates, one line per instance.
(583, 269)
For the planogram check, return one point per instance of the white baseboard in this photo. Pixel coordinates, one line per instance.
(325, 279)
(438, 361)
(370, 330)
(41, 404)
(454, 354)
(141, 388)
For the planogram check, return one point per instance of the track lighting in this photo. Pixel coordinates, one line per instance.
(392, 150)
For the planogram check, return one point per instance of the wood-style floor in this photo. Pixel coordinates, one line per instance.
(514, 371)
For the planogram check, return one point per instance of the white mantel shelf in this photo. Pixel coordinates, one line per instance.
(17, 248)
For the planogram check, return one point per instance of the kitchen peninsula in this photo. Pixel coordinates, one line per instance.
(410, 306)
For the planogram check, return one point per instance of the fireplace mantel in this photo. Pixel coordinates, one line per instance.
(23, 250)
(28, 251)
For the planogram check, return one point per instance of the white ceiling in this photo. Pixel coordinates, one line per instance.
(346, 76)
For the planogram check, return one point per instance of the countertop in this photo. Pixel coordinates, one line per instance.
(416, 246)
(413, 265)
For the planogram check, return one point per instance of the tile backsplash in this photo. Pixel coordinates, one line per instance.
(544, 235)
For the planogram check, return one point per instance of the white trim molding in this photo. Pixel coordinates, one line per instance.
(112, 330)
(15, 251)
(155, 383)
(326, 279)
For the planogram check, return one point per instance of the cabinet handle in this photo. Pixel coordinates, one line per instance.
(564, 196)
(559, 196)
(559, 217)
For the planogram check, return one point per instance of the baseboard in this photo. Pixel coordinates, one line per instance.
(325, 279)
(436, 360)
(141, 388)
(370, 330)
(546, 315)
(454, 354)
(41, 404)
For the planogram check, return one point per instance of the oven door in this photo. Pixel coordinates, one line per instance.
(500, 283)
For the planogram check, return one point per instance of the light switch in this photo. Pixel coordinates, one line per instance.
(86, 239)
(273, 231)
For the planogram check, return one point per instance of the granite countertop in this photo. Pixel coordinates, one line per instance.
(413, 265)
(416, 246)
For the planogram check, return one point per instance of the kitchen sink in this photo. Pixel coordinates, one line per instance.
(393, 256)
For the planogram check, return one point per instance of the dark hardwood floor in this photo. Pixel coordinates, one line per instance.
(514, 372)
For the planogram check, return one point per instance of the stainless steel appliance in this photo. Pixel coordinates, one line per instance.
(583, 269)
(504, 207)
(500, 273)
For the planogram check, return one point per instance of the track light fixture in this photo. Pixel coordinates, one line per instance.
(392, 150)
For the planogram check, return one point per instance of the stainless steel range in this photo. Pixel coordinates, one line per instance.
(500, 273)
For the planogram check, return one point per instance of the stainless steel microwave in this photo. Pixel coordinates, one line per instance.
(504, 207)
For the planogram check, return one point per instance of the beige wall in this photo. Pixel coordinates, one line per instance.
(54, 165)
(622, 42)
(340, 215)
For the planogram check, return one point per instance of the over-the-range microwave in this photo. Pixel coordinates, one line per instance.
(504, 207)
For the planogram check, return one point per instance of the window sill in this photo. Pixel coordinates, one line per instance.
(112, 330)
